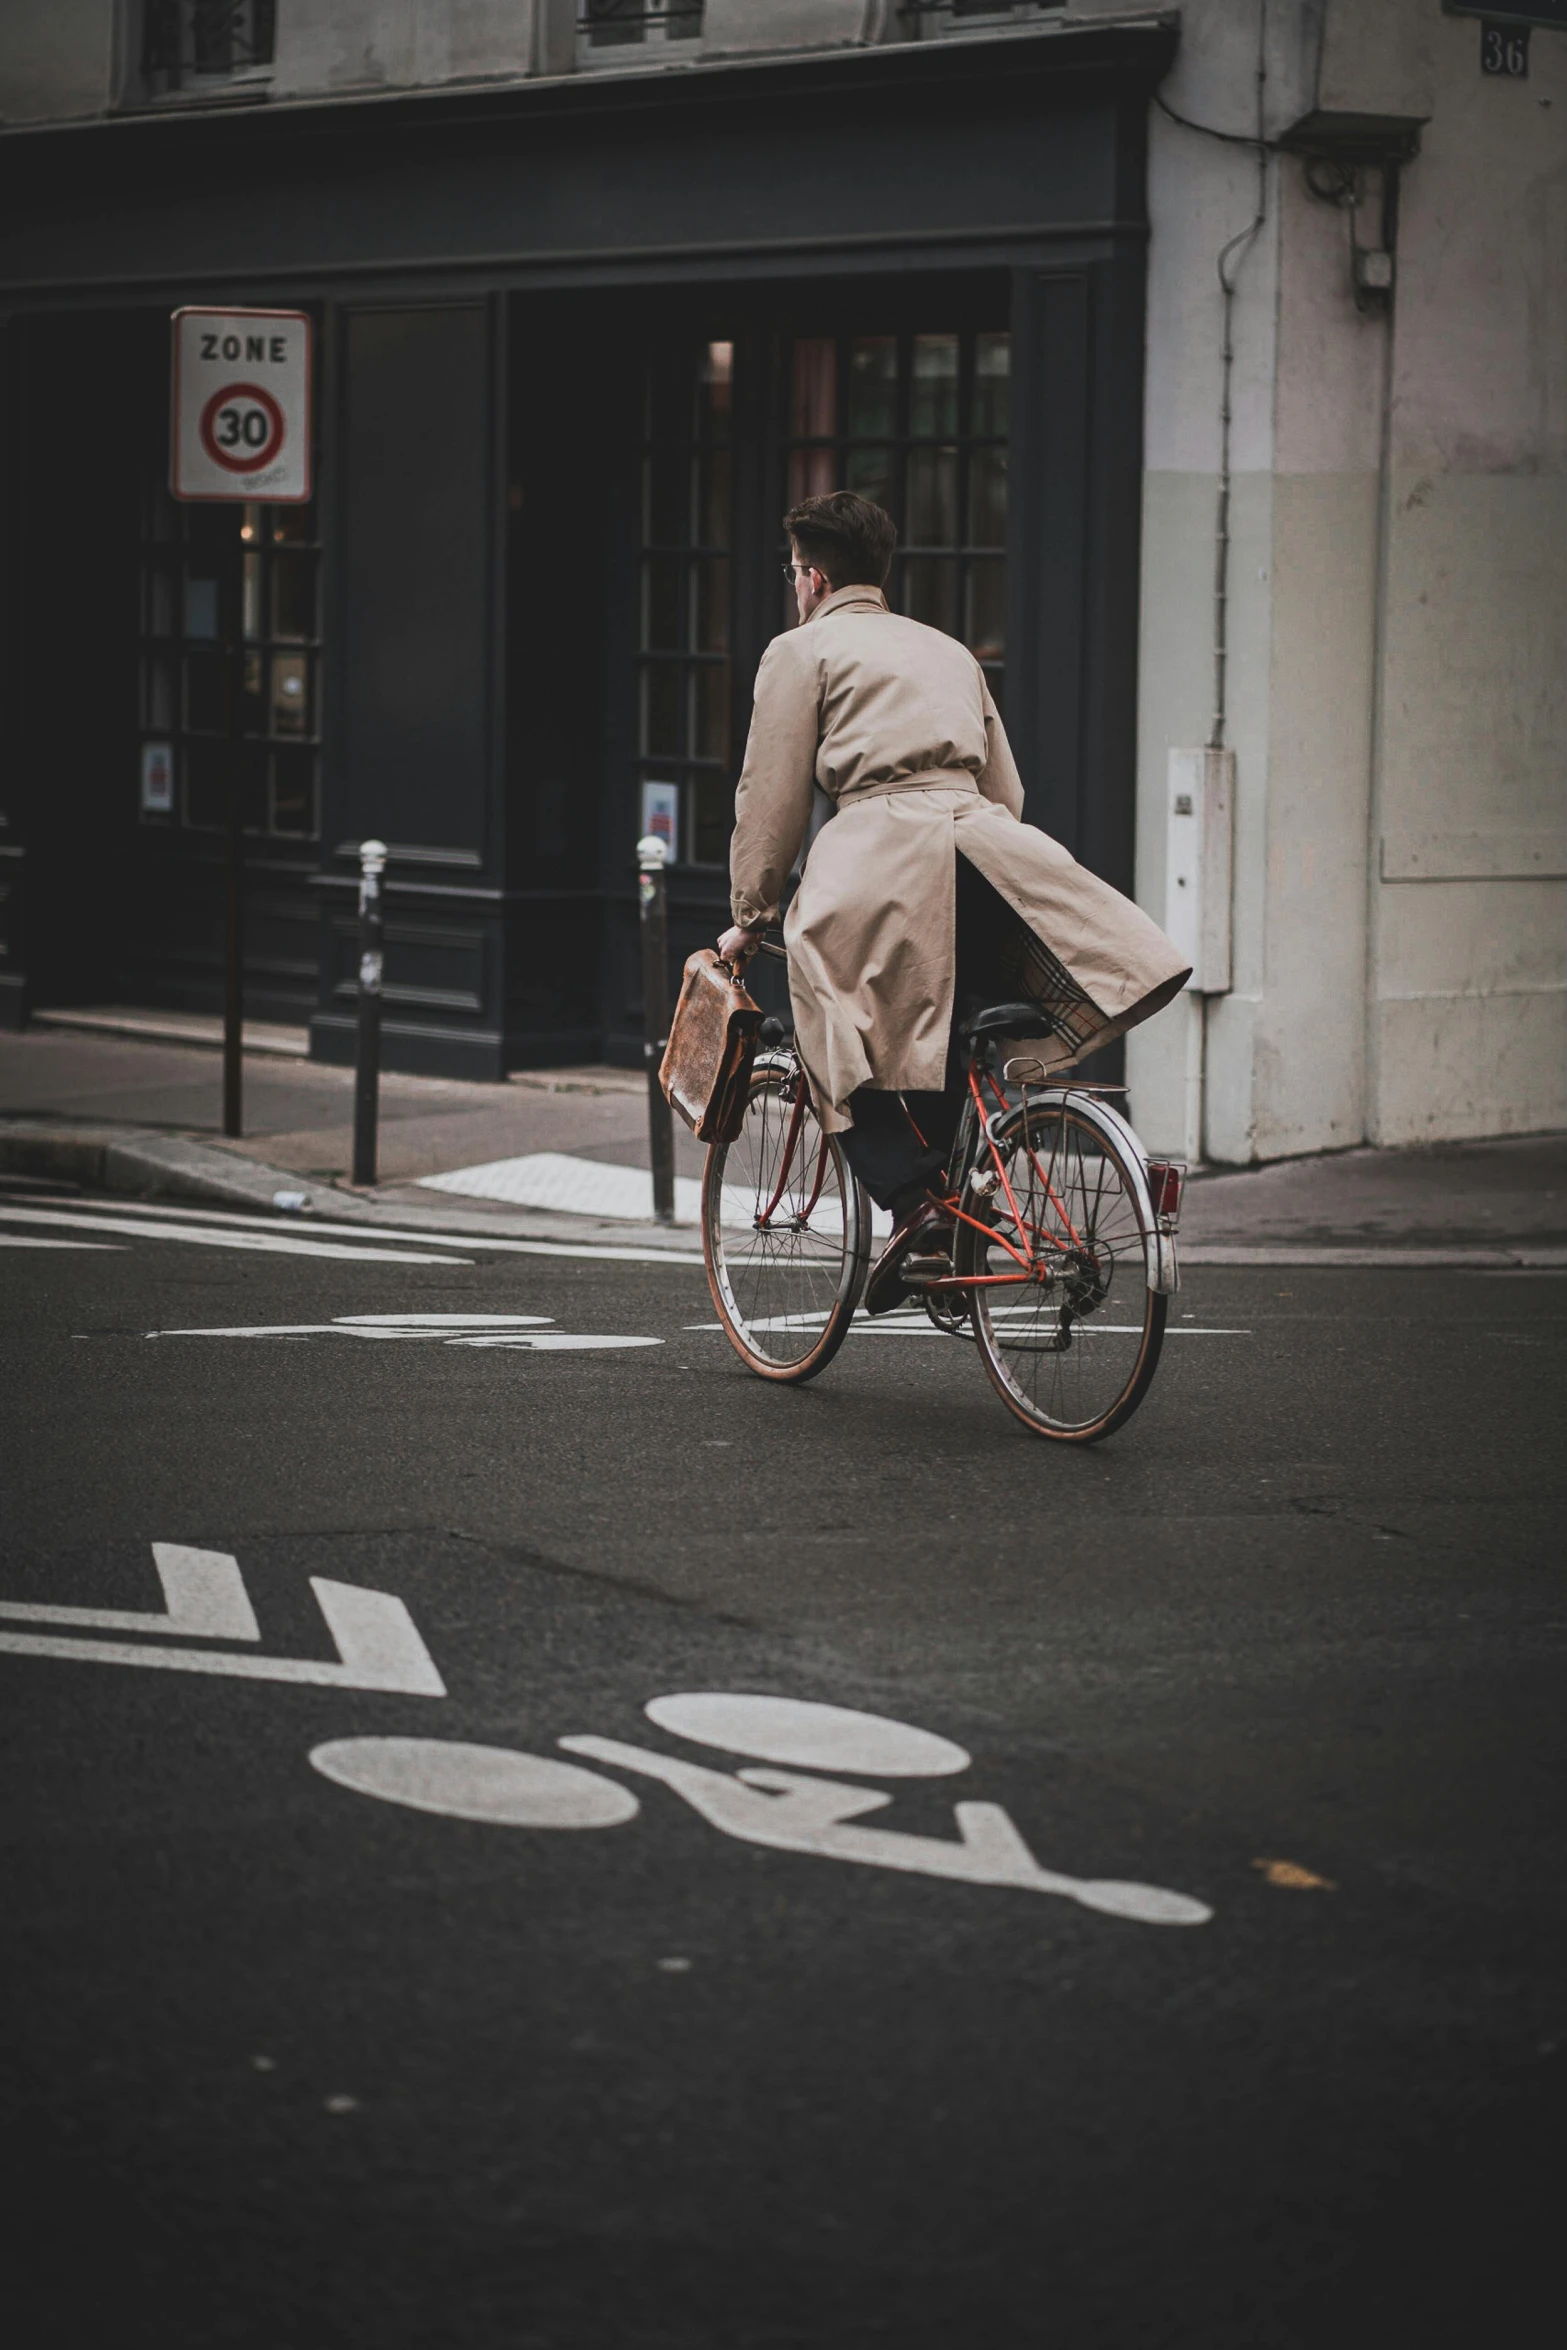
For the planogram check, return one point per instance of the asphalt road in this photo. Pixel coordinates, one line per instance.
(294, 2064)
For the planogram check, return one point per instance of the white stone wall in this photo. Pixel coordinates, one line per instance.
(58, 62)
(1398, 616)
(1468, 1027)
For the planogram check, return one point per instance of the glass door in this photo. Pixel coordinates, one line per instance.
(735, 430)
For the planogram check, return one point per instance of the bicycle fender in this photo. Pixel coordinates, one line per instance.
(1164, 1270)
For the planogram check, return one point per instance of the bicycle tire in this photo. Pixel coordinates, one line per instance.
(787, 1296)
(1080, 1174)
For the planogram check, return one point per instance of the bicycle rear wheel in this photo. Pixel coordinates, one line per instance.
(1072, 1346)
(785, 1231)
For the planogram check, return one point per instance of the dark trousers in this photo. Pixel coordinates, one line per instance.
(898, 1143)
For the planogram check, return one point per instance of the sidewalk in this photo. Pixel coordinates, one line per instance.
(96, 1105)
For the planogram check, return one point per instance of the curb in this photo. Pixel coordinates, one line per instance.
(1543, 1257)
(172, 1166)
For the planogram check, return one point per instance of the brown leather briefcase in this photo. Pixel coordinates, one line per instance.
(706, 1069)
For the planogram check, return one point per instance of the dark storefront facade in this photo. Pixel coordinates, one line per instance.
(578, 345)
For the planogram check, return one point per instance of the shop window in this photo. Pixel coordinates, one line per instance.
(230, 665)
(936, 16)
(919, 423)
(683, 666)
(189, 43)
(623, 24)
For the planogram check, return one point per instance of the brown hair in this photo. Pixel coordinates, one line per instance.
(844, 537)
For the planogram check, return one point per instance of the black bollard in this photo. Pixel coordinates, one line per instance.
(654, 891)
(367, 1064)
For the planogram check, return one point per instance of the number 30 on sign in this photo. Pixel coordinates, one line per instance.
(241, 421)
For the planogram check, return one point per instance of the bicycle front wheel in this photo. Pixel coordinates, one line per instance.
(785, 1231)
(1066, 1324)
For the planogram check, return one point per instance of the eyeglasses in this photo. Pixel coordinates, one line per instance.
(793, 570)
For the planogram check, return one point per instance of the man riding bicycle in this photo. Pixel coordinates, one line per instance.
(927, 892)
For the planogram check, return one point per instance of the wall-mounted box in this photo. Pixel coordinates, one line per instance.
(1199, 833)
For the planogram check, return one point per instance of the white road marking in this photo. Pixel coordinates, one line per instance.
(761, 1805)
(594, 1187)
(559, 1342)
(377, 1643)
(510, 1330)
(493, 1784)
(204, 1598)
(919, 1325)
(275, 1243)
(492, 1244)
(795, 1730)
(582, 1187)
(26, 1240)
(793, 1814)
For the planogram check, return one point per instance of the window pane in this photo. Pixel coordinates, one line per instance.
(294, 525)
(930, 592)
(933, 394)
(294, 595)
(813, 389)
(710, 700)
(713, 509)
(293, 791)
(253, 694)
(661, 576)
(986, 633)
(201, 607)
(204, 699)
(712, 803)
(812, 473)
(932, 509)
(210, 772)
(870, 472)
(987, 498)
(290, 694)
(710, 618)
(162, 514)
(661, 708)
(873, 386)
(157, 695)
(206, 784)
(669, 498)
(250, 597)
(717, 389)
(992, 370)
(158, 601)
(612, 23)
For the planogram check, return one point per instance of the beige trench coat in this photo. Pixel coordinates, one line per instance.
(895, 722)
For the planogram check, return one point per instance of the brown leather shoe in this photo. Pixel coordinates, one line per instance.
(928, 1230)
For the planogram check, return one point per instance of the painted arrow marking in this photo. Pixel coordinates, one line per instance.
(378, 1644)
(204, 1598)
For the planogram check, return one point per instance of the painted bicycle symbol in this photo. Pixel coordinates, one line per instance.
(777, 1800)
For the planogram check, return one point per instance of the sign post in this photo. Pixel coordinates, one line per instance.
(239, 431)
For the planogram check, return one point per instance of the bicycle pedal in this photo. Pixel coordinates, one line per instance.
(915, 1270)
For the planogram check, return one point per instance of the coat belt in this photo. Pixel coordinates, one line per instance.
(930, 779)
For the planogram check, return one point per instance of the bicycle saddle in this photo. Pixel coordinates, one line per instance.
(1005, 1020)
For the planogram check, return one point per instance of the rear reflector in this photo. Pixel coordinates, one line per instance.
(1164, 1187)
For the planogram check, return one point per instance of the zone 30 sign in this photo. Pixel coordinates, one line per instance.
(241, 426)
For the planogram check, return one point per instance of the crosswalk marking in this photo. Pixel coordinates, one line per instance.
(492, 1244)
(36, 1240)
(203, 1236)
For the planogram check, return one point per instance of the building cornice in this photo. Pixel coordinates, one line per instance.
(1135, 50)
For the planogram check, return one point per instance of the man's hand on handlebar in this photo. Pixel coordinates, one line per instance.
(737, 946)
